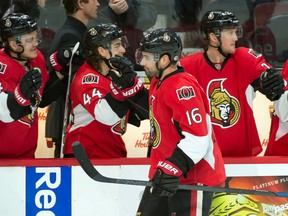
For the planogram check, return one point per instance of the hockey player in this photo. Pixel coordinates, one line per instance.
(230, 76)
(99, 120)
(23, 76)
(79, 13)
(184, 148)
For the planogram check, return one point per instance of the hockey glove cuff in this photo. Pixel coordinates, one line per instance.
(166, 179)
(19, 98)
(17, 110)
(123, 94)
(61, 58)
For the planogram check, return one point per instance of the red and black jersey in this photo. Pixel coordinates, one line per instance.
(179, 117)
(19, 138)
(94, 123)
(228, 86)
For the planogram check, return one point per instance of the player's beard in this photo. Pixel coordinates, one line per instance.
(151, 72)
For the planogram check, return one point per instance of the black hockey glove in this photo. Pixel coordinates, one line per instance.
(271, 84)
(122, 73)
(28, 85)
(61, 58)
(167, 176)
(166, 179)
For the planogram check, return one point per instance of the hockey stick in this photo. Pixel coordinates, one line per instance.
(138, 106)
(90, 170)
(65, 123)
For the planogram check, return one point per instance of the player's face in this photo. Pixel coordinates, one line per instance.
(117, 47)
(148, 63)
(229, 38)
(90, 9)
(29, 42)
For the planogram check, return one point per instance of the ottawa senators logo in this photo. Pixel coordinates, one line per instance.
(225, 109)
(90, 79)
(185, 93)
(155, 135)
(120, 127)
(35, 101)
(27, 120)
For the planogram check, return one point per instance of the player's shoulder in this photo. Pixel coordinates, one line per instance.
(7, 63)
(3, 55)
(247, 53)
(187, 78)
(191, 60)
(178, 81)
(180, 87)
(194, 56)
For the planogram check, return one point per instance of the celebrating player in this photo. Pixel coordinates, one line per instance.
(184, 148)
(230, 76)
(78, 15)
(23, 76)
(99, 108)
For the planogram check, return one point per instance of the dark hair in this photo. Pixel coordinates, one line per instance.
(71, 6)
(96, 36)
(95, 59)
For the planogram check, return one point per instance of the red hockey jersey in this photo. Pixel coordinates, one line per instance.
(179, 116)
(94, 123)
(19, 138)
(228, 88)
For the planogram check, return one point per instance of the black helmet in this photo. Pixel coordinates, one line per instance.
(217, 20)
(16, 24)
(102, 35)
(160, 42)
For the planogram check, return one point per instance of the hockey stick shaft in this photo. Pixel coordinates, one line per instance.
(65, 118)
(92, 172)
(138, 106)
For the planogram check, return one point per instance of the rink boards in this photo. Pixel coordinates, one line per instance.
(60, 187)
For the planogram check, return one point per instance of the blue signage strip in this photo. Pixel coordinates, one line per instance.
(48, 191)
